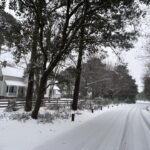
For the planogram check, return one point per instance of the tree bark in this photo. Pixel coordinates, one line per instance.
(29, 94)
(40, 94)
(28, 104)
(37, 79)
(78, 68)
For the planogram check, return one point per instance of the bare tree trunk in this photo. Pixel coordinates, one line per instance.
(40, 94)
(29, 94)
(42, 88)
(78, 73)
(28, 104)
(37, 79)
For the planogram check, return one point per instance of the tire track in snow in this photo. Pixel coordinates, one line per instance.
(146, 127)
(91, 135)
(137, 134)
(124, 140)
(99, 134)
(145, 120)
(106, 142)
(121, 129)
(134, 137)
(111, 140)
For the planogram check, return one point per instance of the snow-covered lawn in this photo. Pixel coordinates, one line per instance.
(123, 127)
(27, 135)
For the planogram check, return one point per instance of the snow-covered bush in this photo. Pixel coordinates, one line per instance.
(3, 115)
(90, 104)
(11, 106)
(20, 116)
(49, 117)
(53, 107)
(62, 114)
(46, 117)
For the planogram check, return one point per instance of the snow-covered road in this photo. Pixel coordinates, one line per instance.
(124, 128)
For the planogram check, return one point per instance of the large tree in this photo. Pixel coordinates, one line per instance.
(71, 27)
(10, 29)
(126, 89)
(58, 24)
(147, 87)
(106, 27)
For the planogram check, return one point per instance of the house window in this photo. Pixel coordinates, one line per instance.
(1, 78)
(21, 90)
(7, 89)
(12, 89)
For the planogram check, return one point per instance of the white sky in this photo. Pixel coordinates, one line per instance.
(135, 61)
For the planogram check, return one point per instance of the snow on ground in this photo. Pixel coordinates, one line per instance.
(126, 127)
(20, 135)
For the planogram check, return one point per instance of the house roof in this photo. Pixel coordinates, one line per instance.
(56, 87)
(12, 71)
(58, 93)
(15, 83)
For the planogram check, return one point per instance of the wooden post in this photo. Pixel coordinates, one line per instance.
(101, 107)
(57, 105)
(73, 117)
(92, 110)
(8, 91)
(17, 91)
(44, 102)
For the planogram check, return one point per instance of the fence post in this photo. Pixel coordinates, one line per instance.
(57, 105)
(43, 102)
(72, 117)
(101, 107)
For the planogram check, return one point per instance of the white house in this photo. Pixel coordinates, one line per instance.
(14, 84)
(11, 81)
(52, 91)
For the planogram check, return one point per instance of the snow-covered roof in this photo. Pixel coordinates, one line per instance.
(58, 93)
(7, 57)
(56, 87)
(12, 71)
(15, 83)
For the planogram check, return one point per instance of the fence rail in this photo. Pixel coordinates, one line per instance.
(46, 102)
(53, 103)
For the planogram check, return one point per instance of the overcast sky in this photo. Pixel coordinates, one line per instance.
(135, 61)
(135, 57)
(135, 64)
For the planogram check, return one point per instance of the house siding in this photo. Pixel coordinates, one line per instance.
(2, 88)
(3, 85)
(13, 78)
(6, 78)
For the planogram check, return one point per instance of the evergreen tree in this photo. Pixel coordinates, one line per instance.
(127, 88)
(10, 29)
(147, 87)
